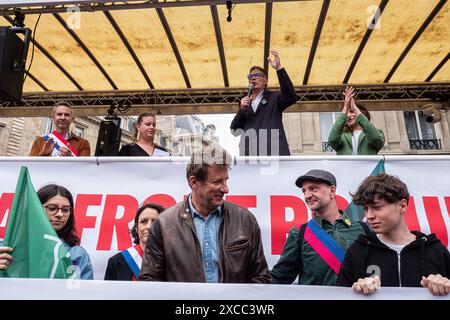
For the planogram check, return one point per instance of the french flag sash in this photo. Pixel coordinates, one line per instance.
(59, 142)
(325, 246)
(133, 257)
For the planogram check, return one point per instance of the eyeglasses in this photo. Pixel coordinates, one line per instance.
(255, 75)
(53, 209)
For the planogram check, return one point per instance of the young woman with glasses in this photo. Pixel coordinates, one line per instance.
(58, 204)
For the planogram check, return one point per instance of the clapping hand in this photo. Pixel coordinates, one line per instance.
(65, 152)
(48, 147)
(349, 101)
(349, 92)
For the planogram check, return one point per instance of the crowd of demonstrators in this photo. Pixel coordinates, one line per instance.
(208, 239)
(392, 255)
(144, 139)
(61, 142)
(302, 254)
(126, 265)
(205, 238)
(353, 133)
(260, 113)
(58, 204)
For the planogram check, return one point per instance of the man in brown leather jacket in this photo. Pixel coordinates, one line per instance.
(205, 239)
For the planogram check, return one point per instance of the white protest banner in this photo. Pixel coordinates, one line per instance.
(58, 289)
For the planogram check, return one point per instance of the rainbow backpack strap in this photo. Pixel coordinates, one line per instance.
(325, 246)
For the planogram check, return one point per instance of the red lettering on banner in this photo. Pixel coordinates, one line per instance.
(82, 220)
(279, 226)
(5, 205)
(341, 202)
(435, 219)
(447, 204)
(163, 199)
(243, 201)
(110, 222)
(411, 215)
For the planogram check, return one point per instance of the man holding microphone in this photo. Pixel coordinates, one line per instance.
(259, 118)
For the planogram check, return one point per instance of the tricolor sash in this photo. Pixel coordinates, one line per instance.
(60, 141)
(325, 246)
(133, 257)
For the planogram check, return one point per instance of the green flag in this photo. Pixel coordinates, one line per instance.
(357, 212)
(38, 251)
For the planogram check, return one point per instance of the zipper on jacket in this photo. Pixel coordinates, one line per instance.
(221, 258)
(399, 270)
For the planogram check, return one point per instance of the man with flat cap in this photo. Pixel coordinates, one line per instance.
(314, 251)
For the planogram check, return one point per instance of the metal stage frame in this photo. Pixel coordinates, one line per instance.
(226, 100)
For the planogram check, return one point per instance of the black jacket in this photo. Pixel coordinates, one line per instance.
(268, 116)
(118, 268)
(422, 257)
(134, 150)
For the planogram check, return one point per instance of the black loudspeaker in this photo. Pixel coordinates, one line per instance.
(109, 136)
(13, 54)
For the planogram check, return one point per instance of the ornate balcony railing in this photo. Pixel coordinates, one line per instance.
(425, 144)
(326, 147)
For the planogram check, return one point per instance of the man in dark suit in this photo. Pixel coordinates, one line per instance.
(259, 118)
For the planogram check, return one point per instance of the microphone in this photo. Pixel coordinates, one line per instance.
(249, 90)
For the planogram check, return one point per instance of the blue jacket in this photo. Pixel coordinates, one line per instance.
(80, 258)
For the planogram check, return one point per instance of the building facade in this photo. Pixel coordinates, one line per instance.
(18, 134)
(406, 132)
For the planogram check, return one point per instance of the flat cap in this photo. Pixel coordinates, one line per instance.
(316, 175)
